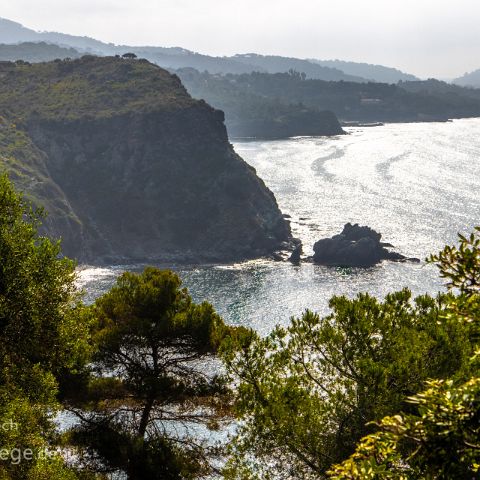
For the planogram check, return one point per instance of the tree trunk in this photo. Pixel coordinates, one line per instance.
(142, 429)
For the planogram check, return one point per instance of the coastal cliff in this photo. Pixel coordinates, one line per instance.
(129, 166)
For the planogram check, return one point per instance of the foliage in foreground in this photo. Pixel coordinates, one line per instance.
(136, 367)
(154, 385)
(442, 439)
(305, 395)
(309, 393)
(44, 339)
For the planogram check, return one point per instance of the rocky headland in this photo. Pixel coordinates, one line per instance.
(129, 166)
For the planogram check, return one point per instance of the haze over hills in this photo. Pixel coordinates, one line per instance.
(176, 58)
(263, 99)
(471, 79)
(13, 32)
(376, 73)
(278, 64)
(448, 91)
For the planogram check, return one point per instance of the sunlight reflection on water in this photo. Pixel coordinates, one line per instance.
(417, 184)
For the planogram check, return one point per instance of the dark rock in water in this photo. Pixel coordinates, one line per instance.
(295, 257)
(129, 167)
(277, 257)
(356, 246)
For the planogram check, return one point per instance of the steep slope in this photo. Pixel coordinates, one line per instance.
(130, 166)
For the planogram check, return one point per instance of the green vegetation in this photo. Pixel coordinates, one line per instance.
(69, 90)
(25, 164)
(88, 87)
(376, 390)
(349, 101)
(134, 368)
(129, 166)
(44, 339)
(308, 394)
(441, 439)
(155, 340)
(250, 114)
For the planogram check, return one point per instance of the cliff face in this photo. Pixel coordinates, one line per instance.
(131, 168)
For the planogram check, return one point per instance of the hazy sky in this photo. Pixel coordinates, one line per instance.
(438, 38)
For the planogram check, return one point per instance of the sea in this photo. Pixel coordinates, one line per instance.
(418, 184)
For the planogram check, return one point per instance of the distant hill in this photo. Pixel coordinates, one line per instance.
(376, 73)
(13, 32)
(278, 64)
(471, 79)
(177, 58)
(36, 52)
(350, 101)
(441, 89)
(248, 114)
(173, 58)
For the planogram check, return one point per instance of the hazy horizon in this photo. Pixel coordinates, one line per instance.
(427, 39)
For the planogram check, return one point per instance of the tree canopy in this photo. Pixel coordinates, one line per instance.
(309, 393)
(43, 337)
(378, 389)
(154, 378)
(441, 439)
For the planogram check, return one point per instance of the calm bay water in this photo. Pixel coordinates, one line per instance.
(417, 184)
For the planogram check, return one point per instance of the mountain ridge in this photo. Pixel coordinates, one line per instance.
(177, 57)
(373, 72)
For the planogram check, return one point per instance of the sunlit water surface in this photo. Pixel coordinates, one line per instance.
(417, 184)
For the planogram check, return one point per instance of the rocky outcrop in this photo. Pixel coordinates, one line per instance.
(137, 169)
(296, 256)
(298, 122)
(356, 246)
